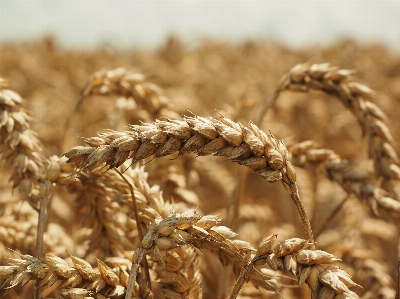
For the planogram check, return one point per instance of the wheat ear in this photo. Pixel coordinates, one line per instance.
(178, 271)
(247, 146)
(21, 149)
(293, 256)
(339, 83)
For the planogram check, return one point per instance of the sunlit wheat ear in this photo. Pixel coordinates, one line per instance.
(338, 170)
(355, 97)
(202, 232)
(19, 147)
(249, 146)
(293, 256)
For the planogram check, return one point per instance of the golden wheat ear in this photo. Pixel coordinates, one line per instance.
(249, 146)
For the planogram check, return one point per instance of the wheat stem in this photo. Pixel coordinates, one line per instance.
(40, 232)
(268, 104)
(244, 273)
(398, 271)
(138, 223)
(331, 216)
(302, 212)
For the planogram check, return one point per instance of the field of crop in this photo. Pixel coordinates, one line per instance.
(227, 171)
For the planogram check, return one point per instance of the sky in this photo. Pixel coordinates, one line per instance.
(145, 24)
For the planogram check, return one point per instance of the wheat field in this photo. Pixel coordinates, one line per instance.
(247, 170)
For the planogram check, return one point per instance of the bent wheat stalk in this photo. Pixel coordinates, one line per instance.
(247, 146)
(338, 82)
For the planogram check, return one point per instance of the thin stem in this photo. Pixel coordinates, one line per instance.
(244, 273)
(68, 122)
(303, 214)
(138, 224)
(398, 271)
(332, 215)
(231, 202)
(133, 274)
(237, 199)
(40, 233)
(314, 182)
(240, 199)
(134, 203)
(268, 104)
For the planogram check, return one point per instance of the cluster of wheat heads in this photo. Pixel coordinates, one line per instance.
(146, 246)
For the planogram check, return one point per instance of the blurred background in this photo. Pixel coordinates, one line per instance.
(144, 24)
